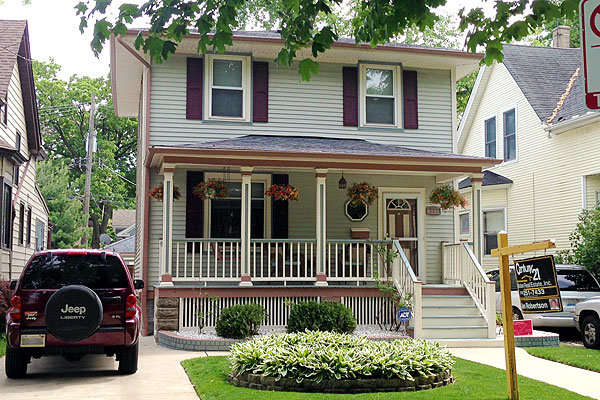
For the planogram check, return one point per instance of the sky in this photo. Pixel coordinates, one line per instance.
(54, 32)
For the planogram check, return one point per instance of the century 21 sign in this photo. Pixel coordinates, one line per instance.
(538, 286)
(589, 12)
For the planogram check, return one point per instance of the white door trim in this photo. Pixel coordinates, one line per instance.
(405, 193)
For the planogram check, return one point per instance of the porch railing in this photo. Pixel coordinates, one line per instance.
(355, 260)
(406, 281)
(206, 259)
(459, 265)
(283, 260)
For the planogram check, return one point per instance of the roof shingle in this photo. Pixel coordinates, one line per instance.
(11, 36)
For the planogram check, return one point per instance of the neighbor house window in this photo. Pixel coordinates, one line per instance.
(22, 224)
(3, 112)
(380, 95)
(490, 137)
(228, 92)
(464, 223)
(510, 137)
(40, 231)
(493, 222)
(28, 226)
(6, 214)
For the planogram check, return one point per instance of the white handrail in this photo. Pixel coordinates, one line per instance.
(406, 281)
(461, 266)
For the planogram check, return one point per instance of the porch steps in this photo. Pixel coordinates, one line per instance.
(449, 312)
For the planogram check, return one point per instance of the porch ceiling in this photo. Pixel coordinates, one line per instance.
(310, 153)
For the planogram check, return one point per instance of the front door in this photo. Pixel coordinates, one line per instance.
(401, 224)
(226, 214)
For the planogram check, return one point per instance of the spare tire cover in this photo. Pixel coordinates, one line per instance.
(73, 313)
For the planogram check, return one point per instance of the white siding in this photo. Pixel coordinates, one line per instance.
(299, 109)
(546, 197)
(29, 195)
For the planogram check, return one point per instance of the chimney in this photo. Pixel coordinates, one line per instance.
(561, 36)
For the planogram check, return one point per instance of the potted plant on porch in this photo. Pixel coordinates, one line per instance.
(157, 192)
(283, 192)
(211, 189)
(447, 197)
(362, 193)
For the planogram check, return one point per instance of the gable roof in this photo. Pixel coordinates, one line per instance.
(122, 219)
(489, 179)
(14, 48)
(126, 245)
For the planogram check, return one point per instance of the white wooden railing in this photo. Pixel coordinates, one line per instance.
(355, 260)
(283, 260)
(460, 266)
(406, 281)
(206, 259)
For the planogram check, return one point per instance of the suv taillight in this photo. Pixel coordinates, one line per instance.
(130, 306)
(16, 308)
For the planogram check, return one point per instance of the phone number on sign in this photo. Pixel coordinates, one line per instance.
(533, 292)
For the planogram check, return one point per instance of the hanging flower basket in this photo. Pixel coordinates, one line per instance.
(211, 189)
(362, 192)
(157, 192)
(447, 197)
(283, 192)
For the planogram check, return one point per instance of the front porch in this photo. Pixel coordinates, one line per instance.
(252, 248)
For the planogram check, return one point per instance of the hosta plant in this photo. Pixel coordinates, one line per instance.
(332, 356)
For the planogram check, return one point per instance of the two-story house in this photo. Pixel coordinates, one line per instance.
(530, 112)
(23, 211)
(383, 116)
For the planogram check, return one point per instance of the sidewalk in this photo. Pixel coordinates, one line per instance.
(574, 379)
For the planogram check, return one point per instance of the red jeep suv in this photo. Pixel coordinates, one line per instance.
(73, 303)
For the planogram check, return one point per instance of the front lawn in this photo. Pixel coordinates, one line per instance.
(2, 344)
(473, 381)
(575, 356)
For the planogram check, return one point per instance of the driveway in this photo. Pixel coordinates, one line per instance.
(160, 376)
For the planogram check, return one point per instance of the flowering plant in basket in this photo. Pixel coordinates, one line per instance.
(447, 197)
(157, 192)
(211, 189)
(283, 192)
(362, 192)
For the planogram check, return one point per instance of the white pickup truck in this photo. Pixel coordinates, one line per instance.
(587, 320)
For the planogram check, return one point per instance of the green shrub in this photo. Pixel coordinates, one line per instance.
(329, 316)
(240, 321)
(328, 355)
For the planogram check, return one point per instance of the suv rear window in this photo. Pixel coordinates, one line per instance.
(62, 270)
(577, 280)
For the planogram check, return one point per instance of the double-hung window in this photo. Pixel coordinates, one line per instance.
(464, 223)
(493, 222)
(6, 214)
(490, 137)
(510, 136)
(381, 100)
(228, 79)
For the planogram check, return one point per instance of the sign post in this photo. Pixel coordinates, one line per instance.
(589, 12)
(502, 252)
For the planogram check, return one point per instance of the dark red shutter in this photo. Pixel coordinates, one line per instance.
(279, 211)
(195, 76)
(194, 222)
(411, 101)
(260, 95)
(350, 92)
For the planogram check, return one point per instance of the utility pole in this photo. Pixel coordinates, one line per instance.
(88, 171)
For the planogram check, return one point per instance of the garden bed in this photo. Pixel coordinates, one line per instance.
(328, 362)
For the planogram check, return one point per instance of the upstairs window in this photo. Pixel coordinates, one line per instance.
(228, 93)
(510, 137)
(490, 137)
(380, 88)
(3, 112)
(18, 145)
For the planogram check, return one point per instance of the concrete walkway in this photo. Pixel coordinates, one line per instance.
(159, 376)
(574, 379)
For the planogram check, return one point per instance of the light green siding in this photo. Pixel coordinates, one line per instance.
(299, 109)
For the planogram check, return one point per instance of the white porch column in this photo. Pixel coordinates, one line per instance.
(476, 181)
(245, 225)
(320, 176)
(167, 262)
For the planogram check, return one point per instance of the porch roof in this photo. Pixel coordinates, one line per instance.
(312, 152)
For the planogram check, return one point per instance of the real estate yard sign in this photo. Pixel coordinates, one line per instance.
(589, 12)
(538, 285)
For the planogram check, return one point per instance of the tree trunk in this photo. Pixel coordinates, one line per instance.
(99, 227)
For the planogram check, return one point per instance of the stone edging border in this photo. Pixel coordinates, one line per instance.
(344, 386)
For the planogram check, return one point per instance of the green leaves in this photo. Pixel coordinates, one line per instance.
(327, 355)
(240, 321)
(307, 68)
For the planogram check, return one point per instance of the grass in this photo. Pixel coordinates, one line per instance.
(473, 381)
(2, 344)
(579, 357)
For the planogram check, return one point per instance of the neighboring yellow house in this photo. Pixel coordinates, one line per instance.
(23, 211)
(529, 111)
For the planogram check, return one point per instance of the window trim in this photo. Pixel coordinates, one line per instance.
(398, 95)
(246, 86)
(504, 112)
(460, 232)
(483, 211)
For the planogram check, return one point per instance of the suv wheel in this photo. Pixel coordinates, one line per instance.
(15, 363)
(128, 359)
(590, 332)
